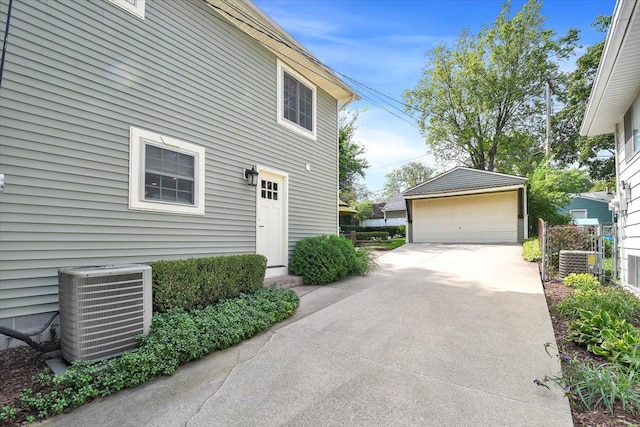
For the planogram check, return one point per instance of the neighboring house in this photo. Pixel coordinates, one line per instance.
(466, 205)
(346, 212)
(395, 211)
(614, 107)
(592, 206)
(127, 132)
(376, 217)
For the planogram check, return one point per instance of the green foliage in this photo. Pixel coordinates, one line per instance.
(176, 337)
(351, 164)
(489, 86)
(616, 301)
(568, 146)
(531, 250)
(364, 209)
(550, 190)
(364, 262)
(198, 282)
(599, 385)
(324, 259)
(582, 282)
(372, 235)
(605, 335)
(408, 176)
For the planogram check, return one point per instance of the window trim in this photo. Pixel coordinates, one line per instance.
(137, 173)
(586, 213)
(134, 9)
(311, 134)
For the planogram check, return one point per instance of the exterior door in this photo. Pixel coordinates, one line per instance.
(271, 234)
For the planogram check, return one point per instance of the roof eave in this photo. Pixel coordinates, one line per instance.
(618, 84)
(465, 192)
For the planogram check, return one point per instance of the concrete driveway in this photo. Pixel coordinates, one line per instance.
(439, 335)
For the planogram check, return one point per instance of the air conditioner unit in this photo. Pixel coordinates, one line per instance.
(103, 309)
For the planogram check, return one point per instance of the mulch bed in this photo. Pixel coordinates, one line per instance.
(555, 291)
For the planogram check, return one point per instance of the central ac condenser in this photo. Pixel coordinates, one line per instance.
(103, 309)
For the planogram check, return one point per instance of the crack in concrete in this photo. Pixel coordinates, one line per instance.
(237, 363)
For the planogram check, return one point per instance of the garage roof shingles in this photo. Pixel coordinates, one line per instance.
(464, 179)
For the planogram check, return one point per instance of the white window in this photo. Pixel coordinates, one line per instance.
(578, 213)
(165, 174)
(135, 7)
(296, 102)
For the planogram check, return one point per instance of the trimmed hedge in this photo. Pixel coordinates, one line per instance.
(199, 282)
(391, 229)
(323, 259)
(368, 235)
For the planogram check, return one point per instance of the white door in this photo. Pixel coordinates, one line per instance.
(479, 218)
(271, 236)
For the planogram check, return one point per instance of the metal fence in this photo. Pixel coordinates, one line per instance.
(598, 239)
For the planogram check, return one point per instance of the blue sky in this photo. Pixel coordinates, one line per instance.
(382, 44)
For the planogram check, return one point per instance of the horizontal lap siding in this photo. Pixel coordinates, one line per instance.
(629, 223)
(73, 84)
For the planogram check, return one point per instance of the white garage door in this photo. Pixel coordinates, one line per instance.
(479, 218)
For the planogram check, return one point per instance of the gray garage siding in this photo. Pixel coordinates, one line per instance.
(73, 84)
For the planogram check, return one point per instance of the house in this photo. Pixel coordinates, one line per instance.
(376, 217)
(131, 130)
(466, 205)
(395, 211)
(614, 107)
(346, 213)
(591, 206)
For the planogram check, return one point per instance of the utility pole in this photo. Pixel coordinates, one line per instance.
(548, 139)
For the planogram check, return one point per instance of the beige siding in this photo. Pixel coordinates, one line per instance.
(73, 84)
(480, 218)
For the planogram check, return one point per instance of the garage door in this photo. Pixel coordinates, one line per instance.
(479, 218)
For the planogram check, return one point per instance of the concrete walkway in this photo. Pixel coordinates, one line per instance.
(439, 335)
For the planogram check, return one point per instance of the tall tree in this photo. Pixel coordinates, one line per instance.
(407, 176)
(488, 86)
(594, 153)
(550, 189)
(351, 164)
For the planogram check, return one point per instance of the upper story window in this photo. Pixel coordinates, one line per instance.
(135, 7)
(296, 102)
(165, 174)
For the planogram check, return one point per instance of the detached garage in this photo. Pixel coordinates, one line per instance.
(467, 205)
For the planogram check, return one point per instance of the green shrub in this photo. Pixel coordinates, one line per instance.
(531, 250)
(372, 235)
(176, 337)
(364, 261)
(615, 301)
(323, 259)
(198, 282)
(582, 281)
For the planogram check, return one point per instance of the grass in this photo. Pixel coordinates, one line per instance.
(388, 245)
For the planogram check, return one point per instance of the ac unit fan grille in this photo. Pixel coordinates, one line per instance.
(102, 313)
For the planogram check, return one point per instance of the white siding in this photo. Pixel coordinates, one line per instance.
(629, 222)
(77, 75)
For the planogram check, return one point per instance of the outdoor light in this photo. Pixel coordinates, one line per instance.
(252, 176)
